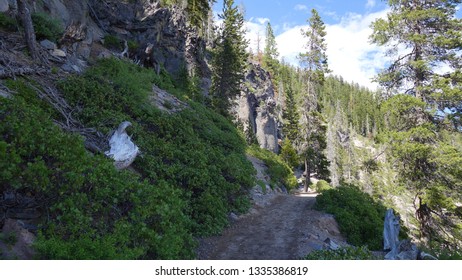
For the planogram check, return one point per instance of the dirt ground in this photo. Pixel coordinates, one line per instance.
(286, 229)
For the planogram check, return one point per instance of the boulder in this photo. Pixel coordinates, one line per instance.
(47, 44)
(4, 6)
(58, 53)
(391, 229)
(18, 241)
(122, 149)
(399, 250)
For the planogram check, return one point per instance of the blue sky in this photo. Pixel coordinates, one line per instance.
(347, 22)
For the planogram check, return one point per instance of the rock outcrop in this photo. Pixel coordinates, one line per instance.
(160, 37)
(256, 107)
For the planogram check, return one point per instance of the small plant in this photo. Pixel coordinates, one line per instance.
(168, 105)
(113, 42)
(9, 239)
(262, 185)
(7, 23)
(46, 27)
(345, 253)
(322, 186)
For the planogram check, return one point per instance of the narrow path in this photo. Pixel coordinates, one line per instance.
(286, 229)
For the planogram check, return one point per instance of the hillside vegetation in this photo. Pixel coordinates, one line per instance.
(191, 174)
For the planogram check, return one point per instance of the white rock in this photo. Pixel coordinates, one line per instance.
(58, 53)
(122, 149)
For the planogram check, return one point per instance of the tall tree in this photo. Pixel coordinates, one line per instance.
(290, 113)
(423, 37)
(314, 61)
(29, 32)
(198, 11)
(270, 55)
(230, 58)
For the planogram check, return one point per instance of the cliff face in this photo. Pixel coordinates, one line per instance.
(256, 107)
(159, 37)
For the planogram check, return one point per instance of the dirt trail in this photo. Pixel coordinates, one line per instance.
(286, 229)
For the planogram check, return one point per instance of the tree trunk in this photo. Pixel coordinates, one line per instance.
(307, 177)
(29, 33)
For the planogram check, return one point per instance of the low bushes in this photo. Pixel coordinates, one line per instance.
(281, 174)
(192, 172)
(360, 218)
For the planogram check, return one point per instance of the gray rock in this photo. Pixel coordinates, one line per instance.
(58, 53)
(390, 231)
(47, 44)
(4, 6)
(233, 217)
(256, 108)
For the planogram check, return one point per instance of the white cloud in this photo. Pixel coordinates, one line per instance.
(348, 49)
(262, 20)
(256, 29)
(370, 4)
(300, 7)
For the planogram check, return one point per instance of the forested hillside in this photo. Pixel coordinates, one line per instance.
(199, 103)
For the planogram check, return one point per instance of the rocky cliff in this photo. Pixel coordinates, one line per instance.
(155, 36)
(256, 107)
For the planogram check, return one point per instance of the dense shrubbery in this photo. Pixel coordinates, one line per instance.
(46, 27)
(346, 253)
(281, 174)
(193, 170)
(360, 218)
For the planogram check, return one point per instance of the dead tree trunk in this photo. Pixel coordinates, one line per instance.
(29, 32)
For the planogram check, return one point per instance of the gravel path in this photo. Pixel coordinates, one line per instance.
(286, 229)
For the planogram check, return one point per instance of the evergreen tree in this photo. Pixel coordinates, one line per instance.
(229, 58)
(290, 115)
(313, 125)
(198, 11)
(270, 55)
(422, 36)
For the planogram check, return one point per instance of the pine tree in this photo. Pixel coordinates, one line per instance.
(422, 36)
(290, 115)
(313, 125)
(229, 58)
(270, 55)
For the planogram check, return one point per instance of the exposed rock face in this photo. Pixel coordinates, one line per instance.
(162, 35)
(256, 107)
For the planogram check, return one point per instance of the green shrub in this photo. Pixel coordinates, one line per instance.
(193, 171)
(7, 23)
(360, 218)
(46, 27)
(113, 42)
(322, 186)
(289, 154)
(196, 150)
(281, 174)
(94, 211)
(345, 253)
